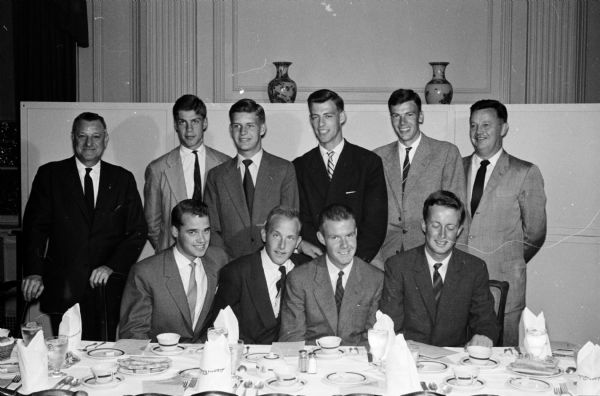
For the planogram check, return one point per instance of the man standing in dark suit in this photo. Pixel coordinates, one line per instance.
(339, 172)
(435, 293)
(241, 192)
(253, 285)
(173, 291)
(83, 223)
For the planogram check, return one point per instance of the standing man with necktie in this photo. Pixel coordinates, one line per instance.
(181, 173)
(83, 222)
(335, 294)
(253, 285)
(435, 293)
(507, 207)
(173, 291)
(337, 171)
(241, 192)
(415, 165)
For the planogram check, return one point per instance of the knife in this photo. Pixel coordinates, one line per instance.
(424, 385)
(63, 381)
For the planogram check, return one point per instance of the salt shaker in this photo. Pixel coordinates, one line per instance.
(312, 363)
(303, 361)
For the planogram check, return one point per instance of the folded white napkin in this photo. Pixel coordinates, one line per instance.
(400, 369)
(33, 362)
(4, 332)
(227, 320)
(384, 322)
(70, 326)
(588, 370)
(529, 321)
(215, 367)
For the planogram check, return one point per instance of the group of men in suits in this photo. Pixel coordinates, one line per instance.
(355, 207)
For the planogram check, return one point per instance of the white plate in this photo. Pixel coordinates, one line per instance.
(488, 365)
(193, 372)
(142, 372)
(275, 385)
(345, 378)
(255, 357)
(105, 353)
(322, 355)
(431, 366)
(478, 384)
(529, 384)
(533, 373)
(157, 349)
(91, 382)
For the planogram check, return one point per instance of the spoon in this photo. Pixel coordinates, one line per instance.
(445, 389)
(248, 385)
(433, 386)
(259, 385)
(570, 370)
(75, 382)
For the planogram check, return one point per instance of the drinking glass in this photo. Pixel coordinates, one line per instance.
(57, 351)
(536, 341)
(237, 350)
(377, 343)
(214, 332)
(29, 330)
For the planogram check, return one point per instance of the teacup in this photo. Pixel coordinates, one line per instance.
(168, 341)
(104, 373)
(329, 344)
(286, 375)
(479, 355)
(466, 375)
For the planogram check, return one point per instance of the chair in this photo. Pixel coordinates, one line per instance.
(107, 293)
(499, 290)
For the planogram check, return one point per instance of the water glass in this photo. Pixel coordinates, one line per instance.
(57, 351)
(377, 344)
(237, 351)
(536, 341)
(29, 330)
(214, 333)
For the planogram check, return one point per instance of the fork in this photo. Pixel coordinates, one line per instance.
(564, 390)
(557, 390)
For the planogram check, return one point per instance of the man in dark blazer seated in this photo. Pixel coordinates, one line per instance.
(435, 293)
(173, 291)
(336, 293)
(337, 171)
(83, 223)
(241, 192)
(253, 285)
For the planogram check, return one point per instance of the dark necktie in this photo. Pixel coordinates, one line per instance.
(88, 190)
(339, 291)
(197, 197)
(437, 282)
(330, 166)
(248, 185)
(280, 284)
(405, 168)
(192, 294)
(478, 186)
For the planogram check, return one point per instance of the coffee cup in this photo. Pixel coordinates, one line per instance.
(104, 373)
(286, 375)
(479, 355)
(465, 375)
(168, 341)
(329, 344)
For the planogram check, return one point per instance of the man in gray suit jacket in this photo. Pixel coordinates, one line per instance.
(181, 173)
(336, 293)
(172, 291)
(415, 166)
(507, 206)
(241, 192)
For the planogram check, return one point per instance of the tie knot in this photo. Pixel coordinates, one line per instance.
(484, 163)
(408, 150)
(330, 154)
(195, 152)
(282, 270)
(247, 162)
(193, 264)
(340, 274)
(88, 170)
(437, 266)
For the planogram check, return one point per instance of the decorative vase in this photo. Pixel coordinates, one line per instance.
(438, 90)
(282, 89)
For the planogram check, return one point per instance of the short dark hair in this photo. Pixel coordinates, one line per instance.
(189, 102)
(400, 96)
(491, 104)
(287, 212)
(323, 95)
(88, 117)
(247, 106)
(444, 198)
(335, 212)
(187, 206)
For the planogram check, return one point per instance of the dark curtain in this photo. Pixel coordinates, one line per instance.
(47, 33)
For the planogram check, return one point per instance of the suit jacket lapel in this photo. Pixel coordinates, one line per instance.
(174, 285)
(324, 294)
(352, 294)
(73, 184)
(105, 186)
(211, 271)
(264, 187)
(260, 295)
(318, 172)
(393, 169)
(419, 163)
(452, 282)
(423, 281)
(496, 176)
(174, 175)
(342, 172)
(233, 184)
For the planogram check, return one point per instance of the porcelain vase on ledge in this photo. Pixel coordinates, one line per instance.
(282, 89)
(438, 90)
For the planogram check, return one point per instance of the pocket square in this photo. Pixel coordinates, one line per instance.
(350, 192)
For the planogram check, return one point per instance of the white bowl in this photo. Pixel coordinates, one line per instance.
(329, 344)
(168, 341)
(478, 354)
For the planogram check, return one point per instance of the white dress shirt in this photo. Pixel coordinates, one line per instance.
(94, 174)
(334, 271)
(337, 150)
(183, 265)
(253, 167)
(272, 275)
(476, 163)
(188, 161)
(411, 154)
(443, 268)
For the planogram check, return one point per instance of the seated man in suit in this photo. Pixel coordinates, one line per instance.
(173, 291)
(435, 293)
(253, 285)
(334, 294)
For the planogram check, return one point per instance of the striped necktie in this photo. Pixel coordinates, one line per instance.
(405, 168)
(192, 294)
(330, 165)
(438, 284)
(339, 291)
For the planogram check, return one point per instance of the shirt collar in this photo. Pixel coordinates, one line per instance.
(269, 265)
(186, 151)
(333, 270)
(81, 167)
(181, 260)
(493, 159)
(414, 145)
(431, 261)
(256, 158)
(337, 149)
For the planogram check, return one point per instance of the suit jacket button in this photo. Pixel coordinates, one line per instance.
(471, 237)
(404, 231)
(399, 218)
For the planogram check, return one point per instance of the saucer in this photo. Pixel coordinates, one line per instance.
(478, 384)
(488, 365)
(105, 353)
(90, 381)
(254, 357)
(193, 372)
(345, 378)
(529, 384)
(276, 385)
(158, 350)
(322, 355)
(533, 372)
(431, 366)
(142, 372)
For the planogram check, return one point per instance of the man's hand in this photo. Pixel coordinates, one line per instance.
(32, 286)
(309, 249)
(480, 340)
(100, 276)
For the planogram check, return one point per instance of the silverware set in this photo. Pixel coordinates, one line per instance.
(189, 383)
(16, 379)
(562, 389)
(91, 346)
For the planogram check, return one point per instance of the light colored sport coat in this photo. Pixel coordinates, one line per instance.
(309, 311)
(509, 226)
(436, 165)
(231, 225)
(164, 188)
(154, 300)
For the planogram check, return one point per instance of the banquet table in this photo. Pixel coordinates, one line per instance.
(496, 379)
